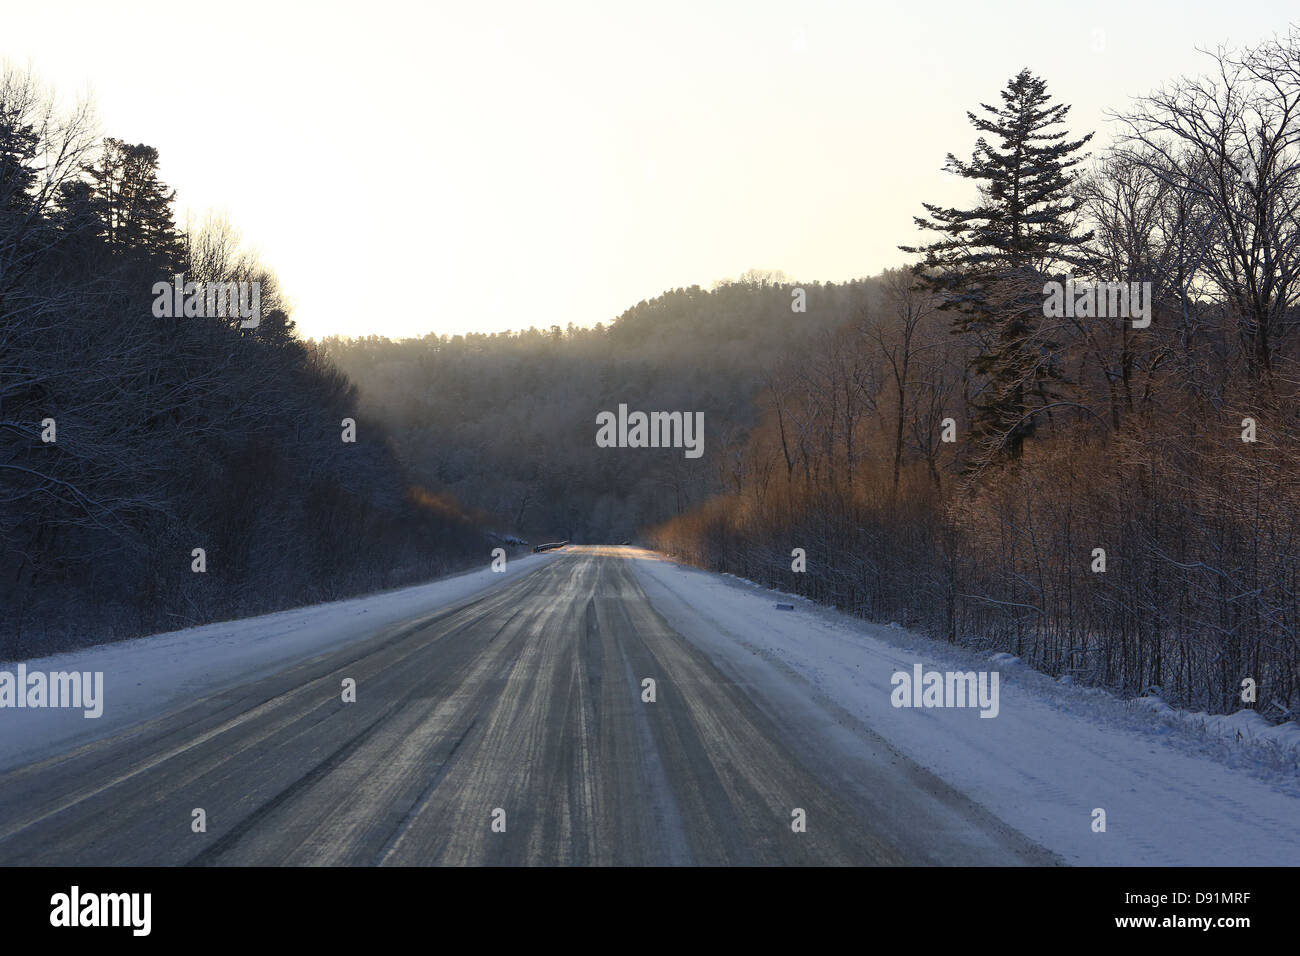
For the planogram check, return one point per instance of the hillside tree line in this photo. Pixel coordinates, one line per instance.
(131, 440)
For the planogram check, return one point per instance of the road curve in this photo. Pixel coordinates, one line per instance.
(509, 729)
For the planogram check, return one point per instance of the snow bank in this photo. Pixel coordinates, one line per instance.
(1244, 728)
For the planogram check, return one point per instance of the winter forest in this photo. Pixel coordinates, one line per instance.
(1111, 500)
(131, 440)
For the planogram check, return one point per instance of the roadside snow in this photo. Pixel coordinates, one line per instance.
(143, 677)
(1175, 790)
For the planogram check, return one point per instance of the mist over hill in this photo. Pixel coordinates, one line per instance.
(506, 423)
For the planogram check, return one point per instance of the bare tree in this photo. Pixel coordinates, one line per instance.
(1230, 141)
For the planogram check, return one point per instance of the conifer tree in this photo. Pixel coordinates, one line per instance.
(990, 261)
(134, 205)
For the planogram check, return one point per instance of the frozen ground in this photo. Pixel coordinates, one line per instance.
(1177, 789)
(147, 675)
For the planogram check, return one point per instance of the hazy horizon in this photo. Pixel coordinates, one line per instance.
(467, 158)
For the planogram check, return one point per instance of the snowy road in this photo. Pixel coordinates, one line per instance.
(510, 726)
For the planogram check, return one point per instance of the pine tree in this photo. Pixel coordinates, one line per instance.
(134, 205)
(990, 263)
(18, 146)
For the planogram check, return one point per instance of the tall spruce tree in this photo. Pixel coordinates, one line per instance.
(990, 261)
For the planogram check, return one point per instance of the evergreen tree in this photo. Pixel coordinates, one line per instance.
(991, 260)
(18, 144)
(134, 205)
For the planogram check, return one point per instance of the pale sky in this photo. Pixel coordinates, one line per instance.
(449, 167)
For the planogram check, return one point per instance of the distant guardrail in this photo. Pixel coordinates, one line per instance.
(549, 547)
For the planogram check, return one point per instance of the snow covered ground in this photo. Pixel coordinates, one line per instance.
(145, 676)
(1177, 789)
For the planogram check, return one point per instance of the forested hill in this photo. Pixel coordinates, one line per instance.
(506, 423)
(160, 467)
